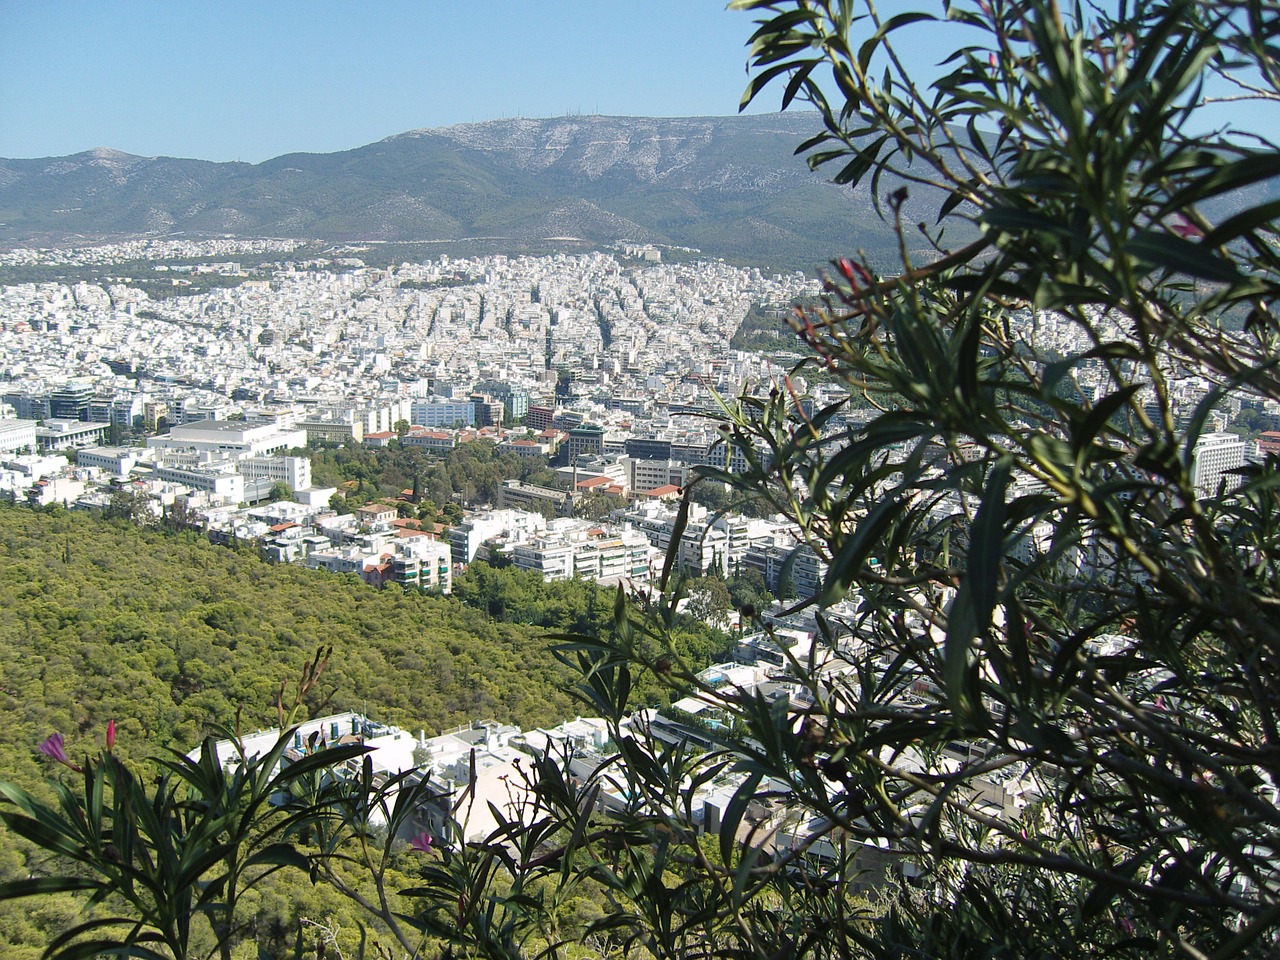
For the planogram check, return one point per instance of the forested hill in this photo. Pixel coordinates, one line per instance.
(169, 634)
(729, 186)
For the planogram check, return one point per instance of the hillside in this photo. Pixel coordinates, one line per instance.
(730, 186)
(170, 635)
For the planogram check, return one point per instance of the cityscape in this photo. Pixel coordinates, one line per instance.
(606, 366)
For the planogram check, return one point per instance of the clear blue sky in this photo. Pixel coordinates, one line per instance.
(252, 79)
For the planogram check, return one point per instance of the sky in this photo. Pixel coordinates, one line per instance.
(253, 79)
(237, 80)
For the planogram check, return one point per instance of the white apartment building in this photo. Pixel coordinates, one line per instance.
(360, 416)
(33, 467)
(626, 557)
(348, 559)
(423, 563)
(385, 414)
(63, 490)
(1216, 454)
(644, 475)
(551, 557)
(419, 562)
(718, 544)
(789, 568)
(192, 410)
(609, 558)
(466, 537)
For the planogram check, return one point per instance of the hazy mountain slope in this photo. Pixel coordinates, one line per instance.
(730, 186)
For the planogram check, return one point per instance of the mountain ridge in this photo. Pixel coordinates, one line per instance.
(730, 186)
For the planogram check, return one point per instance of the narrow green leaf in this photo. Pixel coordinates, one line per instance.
(33, 886)
(1156, 248)
(328, 757)
(677, 534)
(279, 855)
(1263, 215)
(954, 199)
(986, 542)
(734, 811)
(94, 949)
(1101, 413)
(760, 81)
(1018, 220)
(1251, 169)
(846, 564)
(798, 79)
(54, 946)
(868, 48)
(864, 159)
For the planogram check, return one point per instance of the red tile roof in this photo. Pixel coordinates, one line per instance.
(666, 490)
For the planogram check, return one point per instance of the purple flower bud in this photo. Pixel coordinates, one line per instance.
(53, 747)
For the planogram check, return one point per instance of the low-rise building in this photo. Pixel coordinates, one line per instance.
(373, 515)
(218, 479)
(237, 439)
(293, 472)
(514, 495)
(63, 490)
(526, 448)
(116, 462)
(17, 435)
(432, 441)
(61, 434)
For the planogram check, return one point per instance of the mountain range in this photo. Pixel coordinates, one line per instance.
(728, 186)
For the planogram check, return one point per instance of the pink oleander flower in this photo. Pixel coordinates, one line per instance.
(54, 748)
(111, 734)
(1184, 228)
(421, 843)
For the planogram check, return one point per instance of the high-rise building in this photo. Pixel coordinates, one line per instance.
(441, 412)
(585, 440)
(538, 417)
(71, 402)
(1214, 456)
